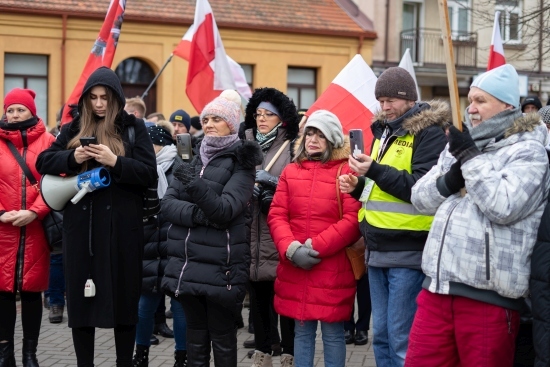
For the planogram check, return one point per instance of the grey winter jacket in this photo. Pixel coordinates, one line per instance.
(480, 245)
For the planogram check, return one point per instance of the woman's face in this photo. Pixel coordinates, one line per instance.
(17, 113)
(215, 126)
(266, 120)
(315, 141)
(98, 100)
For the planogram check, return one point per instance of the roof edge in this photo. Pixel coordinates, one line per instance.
(360, 18)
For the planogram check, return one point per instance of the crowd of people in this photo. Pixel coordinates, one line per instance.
(455, 223)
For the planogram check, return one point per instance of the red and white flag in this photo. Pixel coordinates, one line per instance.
(102, 53)
(209, 72)
(350, 96)
(496, 52)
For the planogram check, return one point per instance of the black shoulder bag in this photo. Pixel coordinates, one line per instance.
(53, 222)
(151, 201)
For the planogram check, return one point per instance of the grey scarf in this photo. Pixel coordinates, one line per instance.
(493, 128)
(165, 159)
(212, 145)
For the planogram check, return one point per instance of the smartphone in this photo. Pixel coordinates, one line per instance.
(183, 143)
(87, 140)
(356, 142)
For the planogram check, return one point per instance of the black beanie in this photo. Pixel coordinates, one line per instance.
(160, 136)
(534, 100)
(396, 82)
(196, 122)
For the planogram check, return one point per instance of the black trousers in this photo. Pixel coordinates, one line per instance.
(364, 305)
(84, 337)
(262, 294)
(31, 315)
(203, 314)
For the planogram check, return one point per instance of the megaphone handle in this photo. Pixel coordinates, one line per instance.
(79, 195)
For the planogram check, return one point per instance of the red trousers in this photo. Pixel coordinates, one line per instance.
(454, 331)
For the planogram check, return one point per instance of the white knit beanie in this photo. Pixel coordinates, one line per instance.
(228, 107)
(329, 124)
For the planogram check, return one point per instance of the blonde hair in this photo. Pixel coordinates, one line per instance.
(104, 130)
(167, 125)
(136, 103)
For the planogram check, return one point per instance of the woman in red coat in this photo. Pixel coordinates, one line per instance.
(315, 281)
(24, 252)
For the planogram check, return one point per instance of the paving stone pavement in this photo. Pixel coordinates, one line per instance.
(55, 347)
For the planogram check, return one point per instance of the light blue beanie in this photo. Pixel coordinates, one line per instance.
(502, 83)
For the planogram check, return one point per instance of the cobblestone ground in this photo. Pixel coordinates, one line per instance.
(55, 347)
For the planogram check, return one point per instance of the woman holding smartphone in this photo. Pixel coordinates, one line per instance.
(103, 232)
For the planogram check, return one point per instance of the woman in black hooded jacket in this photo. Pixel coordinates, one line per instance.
(208, 206)
(103, 233)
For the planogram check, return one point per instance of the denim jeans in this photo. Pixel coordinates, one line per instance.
(393, 294)
(56, 286)
(148, 303)
(334, 345)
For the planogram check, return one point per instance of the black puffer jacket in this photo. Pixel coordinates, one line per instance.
(539, 286)
(208, 261)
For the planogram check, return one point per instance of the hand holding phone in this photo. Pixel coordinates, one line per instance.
(356, 142)
(87, 140)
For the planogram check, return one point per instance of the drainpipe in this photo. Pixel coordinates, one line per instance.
(63, 55)
(387, 31)
(360, 45)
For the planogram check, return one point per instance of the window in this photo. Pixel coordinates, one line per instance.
(31, 72)
(510, 15)
(247, 68)
(459, 15)
(135, 76)
(302, 86)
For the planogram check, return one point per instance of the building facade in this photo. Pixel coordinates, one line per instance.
(296, 46)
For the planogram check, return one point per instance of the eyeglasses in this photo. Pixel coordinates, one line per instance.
(265, 115)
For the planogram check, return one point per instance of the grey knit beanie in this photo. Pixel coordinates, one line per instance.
(545, 114)
(330, 126)
(396, 82)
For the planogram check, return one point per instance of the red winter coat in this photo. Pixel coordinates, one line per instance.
(34, 248)
(305, 206)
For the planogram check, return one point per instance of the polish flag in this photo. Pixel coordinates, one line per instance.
(350, 96)
(102, 52)
(209, 71)
(407, 64)
(496, 52)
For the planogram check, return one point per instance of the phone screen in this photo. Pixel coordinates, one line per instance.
(183, 142)
(356, 141)
(87, 140)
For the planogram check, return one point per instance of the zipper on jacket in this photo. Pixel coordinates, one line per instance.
(228, 286)
(184, 265)
(23, 231)
(487, 260)
(441, 247)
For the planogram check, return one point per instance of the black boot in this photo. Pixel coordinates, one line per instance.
(224, 347)
(7, 358)
(141, 358)
(164, 330)
(180, 358)
(198, 348)
(29, 353)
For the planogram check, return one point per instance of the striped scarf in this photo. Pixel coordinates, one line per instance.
(265, 140)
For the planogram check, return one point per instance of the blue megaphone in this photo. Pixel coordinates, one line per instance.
(89, 181)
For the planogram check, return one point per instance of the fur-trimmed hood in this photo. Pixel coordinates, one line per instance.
(526, 127)
(523, 124)
(249, 154)
(337, 154)
(287, 109)
(431, 113)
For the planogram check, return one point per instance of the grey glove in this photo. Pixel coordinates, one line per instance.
(265, 178)
(185, 173)
(305, 257)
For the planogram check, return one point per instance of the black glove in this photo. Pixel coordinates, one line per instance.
(265, 199)
(264, 178)
(200, 219)
(257, 191)
(185, 173)
(461, 144)
(452, 181)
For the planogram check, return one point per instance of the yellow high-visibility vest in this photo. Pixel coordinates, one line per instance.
(383, 210)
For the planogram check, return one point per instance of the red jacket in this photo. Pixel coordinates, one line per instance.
(34, 250)
(305, 206)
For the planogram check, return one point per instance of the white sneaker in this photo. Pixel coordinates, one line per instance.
(287, 360)
(261, 359)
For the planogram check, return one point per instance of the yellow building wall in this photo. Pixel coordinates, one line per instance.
(270, 54)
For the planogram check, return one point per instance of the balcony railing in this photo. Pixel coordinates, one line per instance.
(426, 47)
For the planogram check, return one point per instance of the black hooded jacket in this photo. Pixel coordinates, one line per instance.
(103, 232)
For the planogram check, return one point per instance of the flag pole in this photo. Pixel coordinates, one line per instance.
(450, 63)
(156, 77)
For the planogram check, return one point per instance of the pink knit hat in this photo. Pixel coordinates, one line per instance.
(21, 96)
(228, 107)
